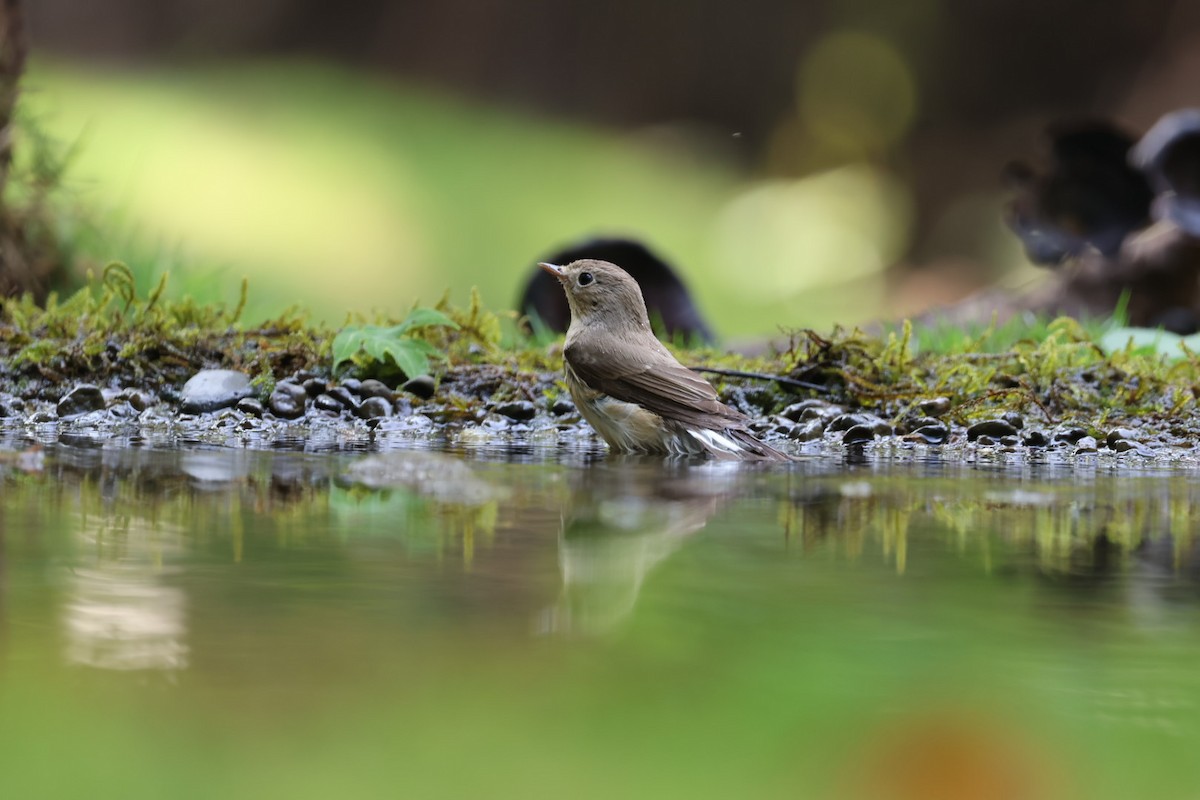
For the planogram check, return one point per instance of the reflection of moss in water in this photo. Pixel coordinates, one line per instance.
(1068, 529)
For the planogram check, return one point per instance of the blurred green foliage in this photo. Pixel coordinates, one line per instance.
(342, 193)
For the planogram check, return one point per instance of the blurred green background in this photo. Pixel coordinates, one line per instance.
(800, 164)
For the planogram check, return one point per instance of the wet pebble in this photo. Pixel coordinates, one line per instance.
(41, 417)
(1014, 419)
(1086, 445)
(422, 386)
(845, 422)
(213, 389)
(344, 397)
(1071, 434)
(374, 408)
(931, 434)
(315, 386)
(1127, 445)
(992, 428)
(935, 406)
(1035, 438)
(83, 398)
(328, 404)
(353, 385)
(858, 434)
(562, 406)
(251, 406)
(287, 401)
(1120, 435)
(808, 431)
(812, 408)
(373, 388)
(522, 410)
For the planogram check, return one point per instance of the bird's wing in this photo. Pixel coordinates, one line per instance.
(653, 379)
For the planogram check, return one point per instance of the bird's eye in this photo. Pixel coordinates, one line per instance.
(585, 278)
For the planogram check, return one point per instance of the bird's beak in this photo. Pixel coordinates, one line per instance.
(553, 269)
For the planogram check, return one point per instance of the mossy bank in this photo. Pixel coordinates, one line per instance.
(109, 365)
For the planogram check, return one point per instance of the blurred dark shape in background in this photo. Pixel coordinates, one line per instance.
(1086, 195)
(668, 302)
(29, 257)
(1169, 154)
(970, 89)
(1090, 214)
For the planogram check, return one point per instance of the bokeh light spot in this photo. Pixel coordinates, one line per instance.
(857, 92)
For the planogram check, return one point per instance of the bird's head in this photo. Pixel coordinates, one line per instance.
(601, 293)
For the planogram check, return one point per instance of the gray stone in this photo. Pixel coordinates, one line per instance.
(813, 408)
(931, 434)
(992, 428)
(287, 401)
(859, 434)
(845, 422)
(1120, 435)
(935, 406)
(422, 386)
(1014, 419)
(1035, 438)
(374, 407)
(373, 388)
(83, 399)
(251, 406)
(328, 404)
(808, 431)
(213, 389)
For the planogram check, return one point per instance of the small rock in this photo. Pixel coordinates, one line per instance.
(812, 408)
(562, 406)
(859, 434)
(1086, 445)
(42, 416)
(422, 386)
(1069, 434)
(1014, 419)
(1120, 435)
(984, 440)
(845, 422)
(1125, 445)
(1035, 438)
(931, 434)
(251, 406)
(139, 400)
(287, 401)
(328, 404)
(315, 386)
(808, 431)
(935, 406)
(82, 399)
(993, 428)
(1010, 441)
(213, 389)
(373, 388)
(517, 409)
(343, 396)
(354, 385)
(374, 408)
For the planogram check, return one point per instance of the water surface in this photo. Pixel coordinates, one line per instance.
(237, 624)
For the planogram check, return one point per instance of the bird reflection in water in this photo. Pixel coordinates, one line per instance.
(621, 519)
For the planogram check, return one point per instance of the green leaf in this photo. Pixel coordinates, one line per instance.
(425, 318)
(380, 344)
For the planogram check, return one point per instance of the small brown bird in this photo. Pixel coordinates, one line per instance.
(629, 387)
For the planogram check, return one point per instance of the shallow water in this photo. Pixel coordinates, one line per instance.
(230, 623)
